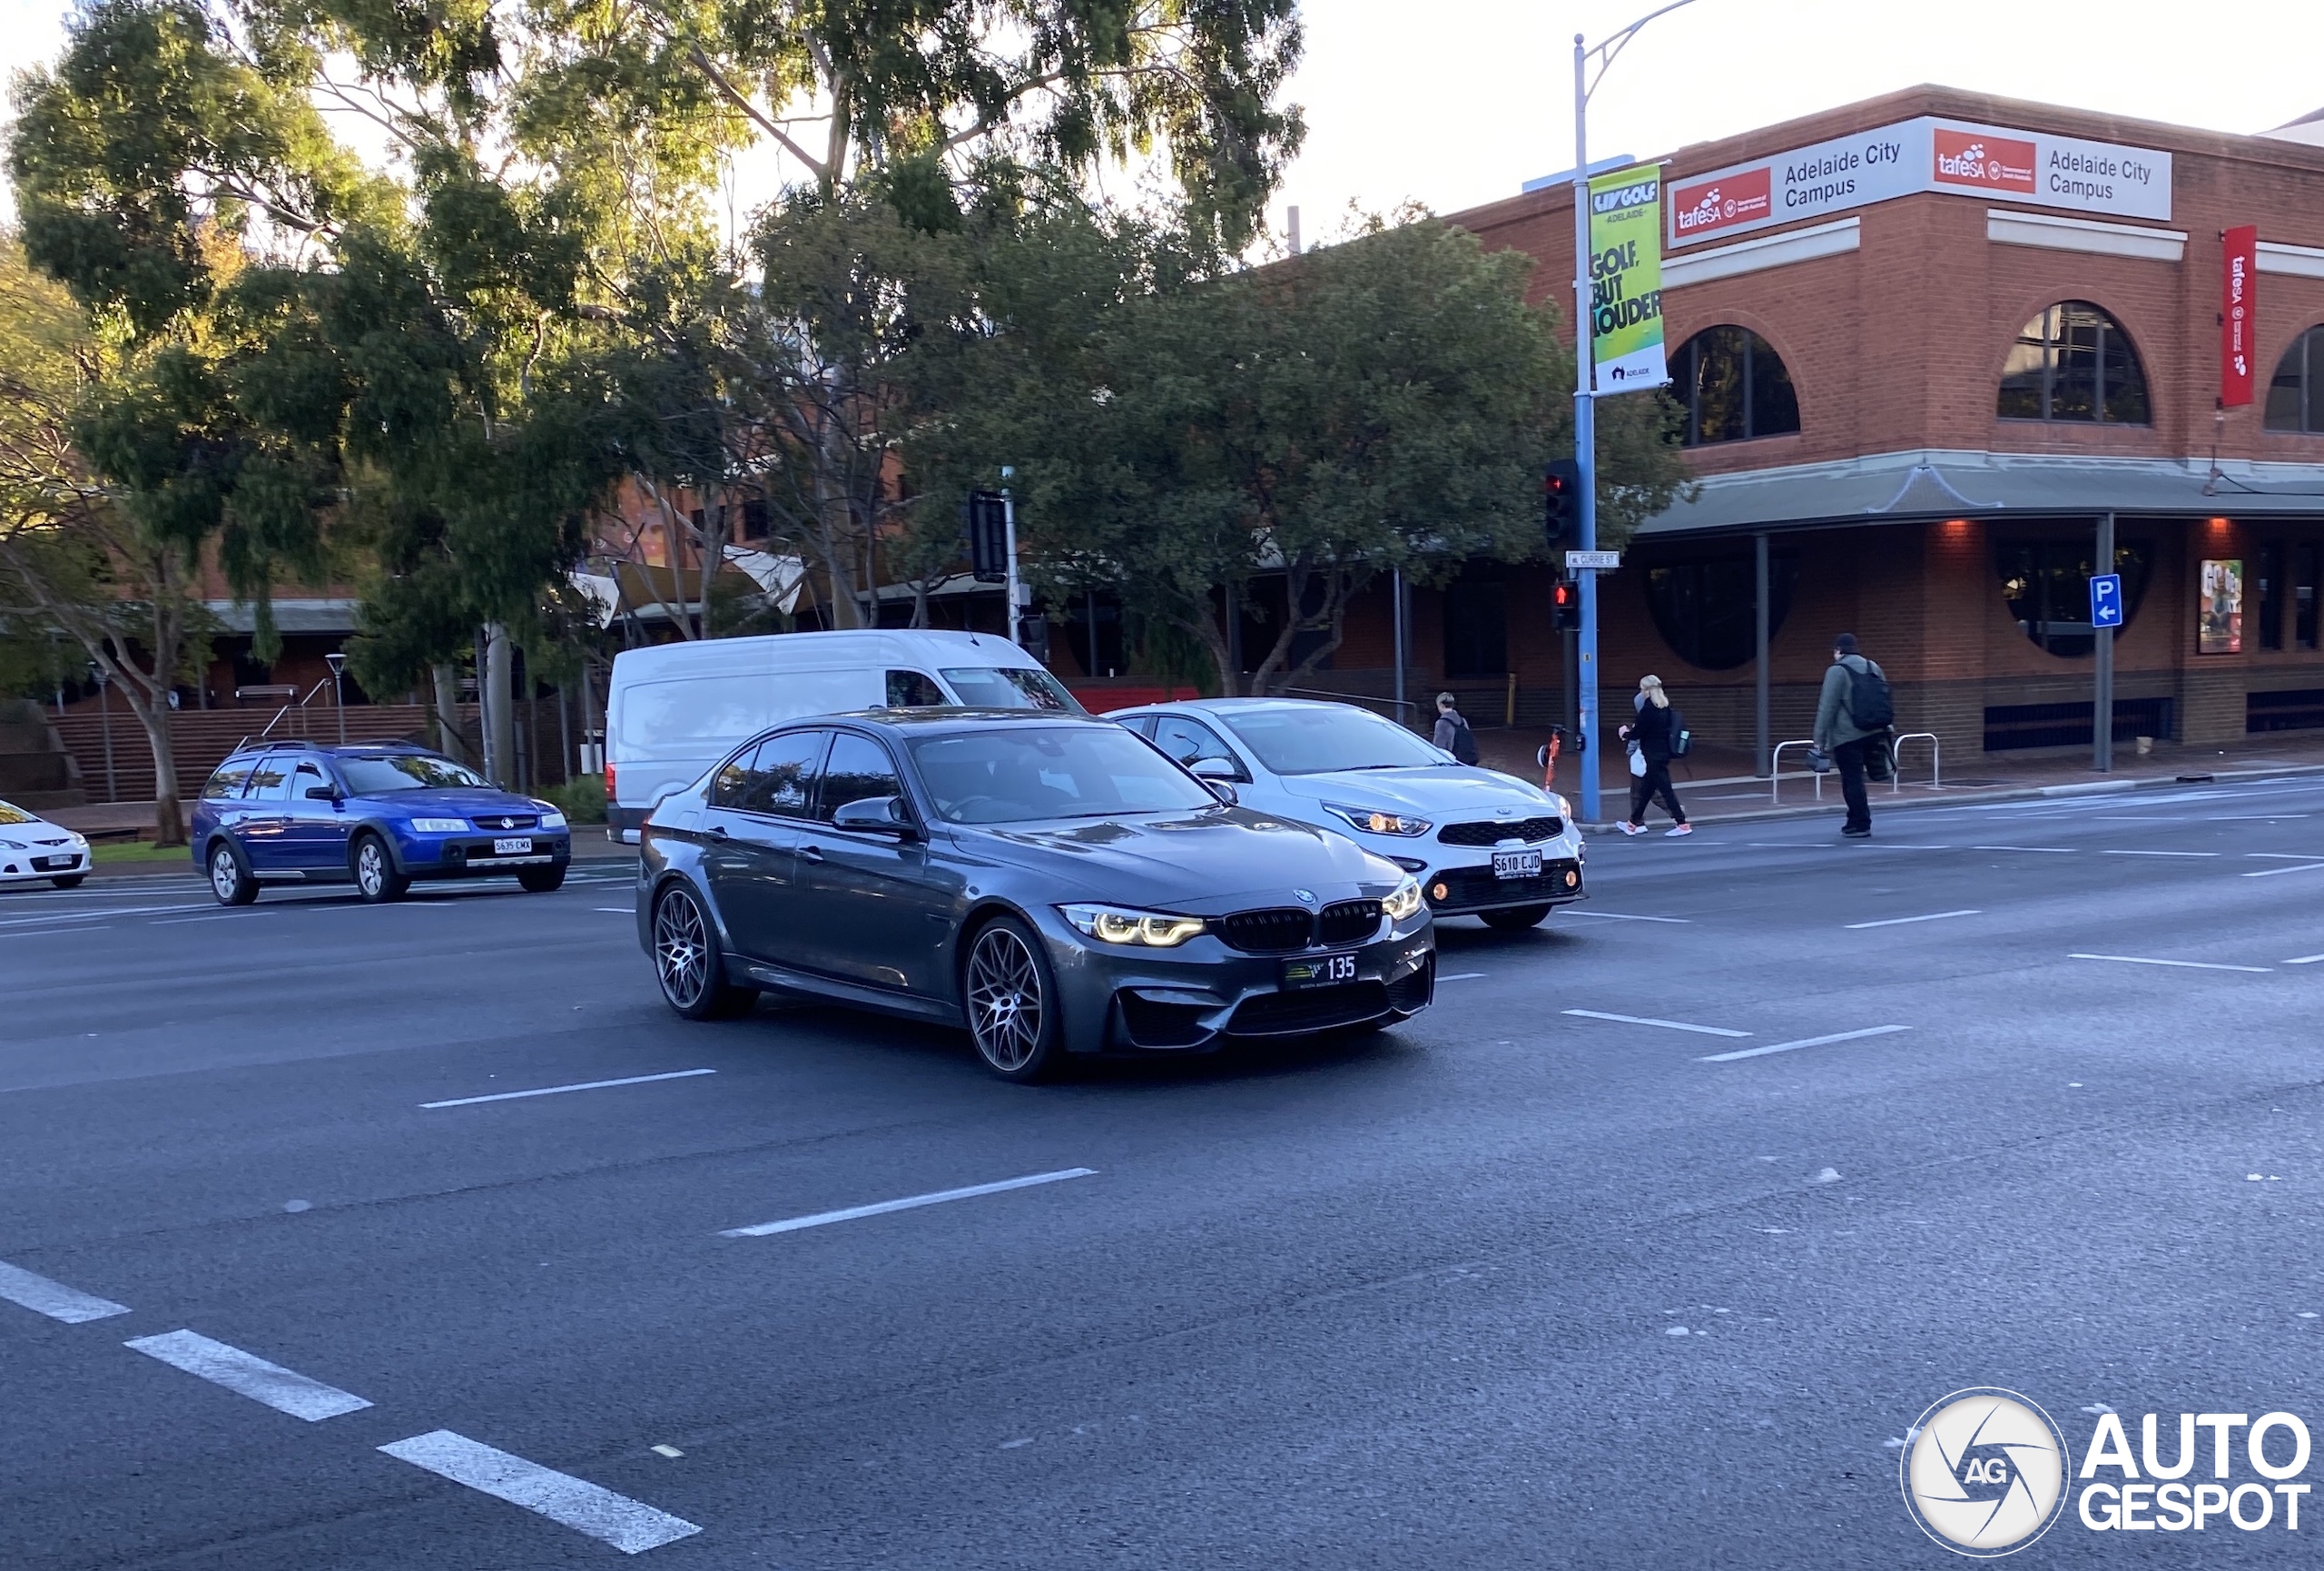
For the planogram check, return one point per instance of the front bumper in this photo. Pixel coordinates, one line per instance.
(1197, 997)
(42, 863)
(472, 856)
(1465, 891)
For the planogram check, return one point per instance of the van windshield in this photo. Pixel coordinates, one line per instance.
(1010, 688)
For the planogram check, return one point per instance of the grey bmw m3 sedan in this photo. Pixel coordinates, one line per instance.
(1054, 884)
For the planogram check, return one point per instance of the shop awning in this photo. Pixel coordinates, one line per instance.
(1921, 485)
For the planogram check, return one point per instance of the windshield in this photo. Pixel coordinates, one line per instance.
(1010, 688)
(12, 814)
(1313, 740)
(382, 774)
(1017, 776)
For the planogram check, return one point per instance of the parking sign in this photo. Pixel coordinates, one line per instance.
(2106, 600)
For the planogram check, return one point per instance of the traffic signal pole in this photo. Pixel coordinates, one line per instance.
(1585, 443)
(1009, 517)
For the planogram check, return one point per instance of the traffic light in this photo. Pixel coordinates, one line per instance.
(987, 538)
(1033, 635)
(1565, 605)
(1561, 503)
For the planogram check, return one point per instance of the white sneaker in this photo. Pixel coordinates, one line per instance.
(1629, 828)
(1676, 830)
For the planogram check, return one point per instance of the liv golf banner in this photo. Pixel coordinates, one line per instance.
(1626, 279)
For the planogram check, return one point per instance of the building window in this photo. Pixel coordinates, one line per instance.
(1703, 609)
(1476, 627)
(2295, 402)
(2047, 586)
(2073, 362)
(2271, 595)
(1733, 386)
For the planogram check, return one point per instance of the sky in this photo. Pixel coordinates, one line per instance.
(1453, 103)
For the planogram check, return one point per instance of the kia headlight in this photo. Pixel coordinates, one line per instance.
(440, 826)
(1564, 808)
(1373, 821)
(1404, 901)
(1112, 925)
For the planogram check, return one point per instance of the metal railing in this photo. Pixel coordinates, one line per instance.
(299, 703)
(1896, 761)
(1775, 772)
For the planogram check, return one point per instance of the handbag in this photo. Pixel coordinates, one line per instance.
(1638, 762)
(1818, 761)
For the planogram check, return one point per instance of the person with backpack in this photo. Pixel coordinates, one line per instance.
(1853, 716)
(1452, 732)
(1656, 736)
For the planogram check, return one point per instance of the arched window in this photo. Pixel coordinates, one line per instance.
(2046, 584)
(1733, 386)
(1703, 607)
(2296, 398)
(2073, 362)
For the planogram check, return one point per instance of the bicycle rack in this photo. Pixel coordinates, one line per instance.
(1775, 772)
(1897, 765)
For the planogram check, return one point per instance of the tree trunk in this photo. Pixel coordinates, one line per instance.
(448, 740)
(169, 820)
(499, 706)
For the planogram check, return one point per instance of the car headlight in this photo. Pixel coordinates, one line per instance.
(1371, 820)
(440, 826)
(1112, 924)
(552, 819)
(1404, 901)
(13, 844)
(1564, 807)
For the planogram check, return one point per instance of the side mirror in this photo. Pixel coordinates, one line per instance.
(1214, 769)
(876, 815)
(322, 793)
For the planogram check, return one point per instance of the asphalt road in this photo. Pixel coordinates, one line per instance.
(1645, 1247)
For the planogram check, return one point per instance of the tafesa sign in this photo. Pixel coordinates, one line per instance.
(1626, 279)
(2033, 168)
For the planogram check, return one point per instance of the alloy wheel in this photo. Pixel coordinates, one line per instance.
(225, 877)
(1005, 1002)
(681, 950)
(372, 869)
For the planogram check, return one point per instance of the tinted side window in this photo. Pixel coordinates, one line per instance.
(306, 776)
(1141, 723)
(783, 774)
(859, 768)
(914, 690)
(228, 783)
(733, 781)
(270, 778)
(1189, 741)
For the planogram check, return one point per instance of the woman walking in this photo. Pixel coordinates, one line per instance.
(1651, 735)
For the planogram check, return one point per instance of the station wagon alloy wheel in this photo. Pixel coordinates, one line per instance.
(1008, 998)
(230, 881)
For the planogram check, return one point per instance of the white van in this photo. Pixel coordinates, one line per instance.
(676, 709)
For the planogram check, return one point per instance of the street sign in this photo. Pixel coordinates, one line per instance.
(2106, 600)
(1602, 561)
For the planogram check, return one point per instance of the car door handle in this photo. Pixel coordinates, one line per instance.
(716, 831)
(811, 853)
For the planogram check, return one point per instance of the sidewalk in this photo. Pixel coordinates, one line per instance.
(1716, 783)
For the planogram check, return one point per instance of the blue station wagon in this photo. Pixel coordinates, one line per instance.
(378, 815)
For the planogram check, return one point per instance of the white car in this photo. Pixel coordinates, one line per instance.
(33, 850)
(1483, 843)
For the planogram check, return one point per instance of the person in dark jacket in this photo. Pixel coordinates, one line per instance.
(1650, 734)
(1837, 733)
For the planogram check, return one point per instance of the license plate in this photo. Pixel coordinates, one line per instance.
(44, 864)
(1516, 865)
(1324, 971)
(523, 847)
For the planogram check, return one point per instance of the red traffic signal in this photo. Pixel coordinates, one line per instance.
(1561, 503)
(1565, 605)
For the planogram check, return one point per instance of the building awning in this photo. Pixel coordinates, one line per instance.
(1926, 485)
(647, 592)
(328, 614)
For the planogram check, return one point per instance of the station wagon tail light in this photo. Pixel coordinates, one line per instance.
(1375, 821)
(440, 826)
(1404, 901)
(1112, 924)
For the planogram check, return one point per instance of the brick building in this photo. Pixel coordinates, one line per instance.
(1927, 343)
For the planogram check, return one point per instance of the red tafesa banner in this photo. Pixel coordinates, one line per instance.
(2237, 316)
(1738, 199)
(1983, 161)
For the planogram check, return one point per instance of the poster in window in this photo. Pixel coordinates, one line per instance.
(2220, 622)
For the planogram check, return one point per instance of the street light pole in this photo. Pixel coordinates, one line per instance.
(1585, 432)
(337, 664)
(104, 724)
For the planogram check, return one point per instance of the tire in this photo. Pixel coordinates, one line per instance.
(1515, 919)
(376, 878)
(687, 962)
(230, 875)
(1011, 1000)
(541, 880)
(71, 881)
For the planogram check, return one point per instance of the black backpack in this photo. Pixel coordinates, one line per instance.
(1682, 741)
(1464, 745)
(1870, 707)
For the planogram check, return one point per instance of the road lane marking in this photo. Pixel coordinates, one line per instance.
(629, 1526)
(2185, 965)
(54, 1299)
(2295, 867)
(561, 1089)
(1665, 1024)
(1623, 916)
(284, 1390)
(1462, 976)
(2252, 817)
(2159, 854)
(2306, 960)
(2283, 856)
(822, 1219)
(220, 916)
(94, 912)
(2042, 850)
(1804, 1042)
(618, 910)
(1900, 921)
